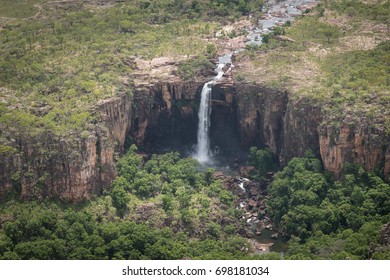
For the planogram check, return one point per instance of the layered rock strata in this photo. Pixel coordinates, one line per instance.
(76, 167)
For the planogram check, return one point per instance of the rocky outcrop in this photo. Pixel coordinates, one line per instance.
(385, 234)
(165, 114)
(363, 145)
(270, 118)
(260, 116)
(300, 130)
(70, 167)
(289, 126)
(66, 169)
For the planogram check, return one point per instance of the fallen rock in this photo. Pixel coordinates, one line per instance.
(252, 203)
(218, 175)
(249, 234)
(245, 170)
(385, 234)
(254, 191)
(248, 215)
(285, 38)
(261, 205)
(253, 221)
(261, 247)
(269, 226)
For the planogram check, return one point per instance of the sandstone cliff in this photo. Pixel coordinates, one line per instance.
(290, 126)
(165, 114)
(270, 118)
(70, 167)
(362, 144)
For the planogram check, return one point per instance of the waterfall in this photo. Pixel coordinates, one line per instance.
(203, 152)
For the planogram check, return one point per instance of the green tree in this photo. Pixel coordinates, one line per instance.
(263, 160)
(120, 197)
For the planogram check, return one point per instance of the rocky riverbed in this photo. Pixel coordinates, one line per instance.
(257, 226)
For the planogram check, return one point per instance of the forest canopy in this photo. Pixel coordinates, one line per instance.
(168, 207)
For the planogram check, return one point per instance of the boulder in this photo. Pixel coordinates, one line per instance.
(252, 203)
(254, 191)
(218, 175)
(245, 170)
(275, 235)
(261, 205)
(249, 233)
(385, 235)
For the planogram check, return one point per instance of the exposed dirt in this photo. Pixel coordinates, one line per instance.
(300, 71)
(157, 69)
(165, 68)
(354, 43)
(358, 35)
(232, 37)
(341, 21)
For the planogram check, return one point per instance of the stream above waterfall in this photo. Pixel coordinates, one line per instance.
(275, 13)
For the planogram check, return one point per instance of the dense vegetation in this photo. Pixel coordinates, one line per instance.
(19, 8)
(169, 208)
(324, 218)
(166, 208)
(263, 160)
(47, 231)
(330, 219)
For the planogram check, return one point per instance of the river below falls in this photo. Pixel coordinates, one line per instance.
(279, 244)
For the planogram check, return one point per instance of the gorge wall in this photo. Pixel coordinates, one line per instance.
(290, 126)
(165, 114)
(70, 167)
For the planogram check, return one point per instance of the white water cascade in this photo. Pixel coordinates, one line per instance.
(203, 151)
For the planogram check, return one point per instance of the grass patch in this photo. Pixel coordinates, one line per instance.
(358, 70)
(332, 61)
(18, 8)
(194, 67)
(373, 10)
(310, 29)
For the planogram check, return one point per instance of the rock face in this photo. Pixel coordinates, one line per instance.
(385, 234)
(362, 145)
(289, 127)
(165, 114)
(260, 116)
(269, 118)
(72, 168)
